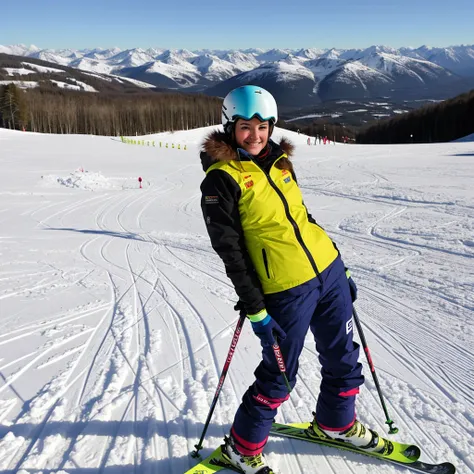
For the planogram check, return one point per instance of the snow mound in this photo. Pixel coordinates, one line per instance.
(92, 181)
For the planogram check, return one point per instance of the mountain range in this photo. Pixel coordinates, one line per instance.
(297, 78)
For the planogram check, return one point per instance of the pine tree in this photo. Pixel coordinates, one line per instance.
(13, 110)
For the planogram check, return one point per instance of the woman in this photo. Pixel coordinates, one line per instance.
(287, 273)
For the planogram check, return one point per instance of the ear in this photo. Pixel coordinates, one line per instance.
(229, 128)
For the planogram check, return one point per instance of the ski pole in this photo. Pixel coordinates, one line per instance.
(281, 364)
(392, 429)
(230, 354)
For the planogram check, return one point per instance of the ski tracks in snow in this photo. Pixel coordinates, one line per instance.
(415, 320)
(121, 378)
(130, 399)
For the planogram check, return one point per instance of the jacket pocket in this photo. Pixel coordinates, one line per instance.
(265, 263)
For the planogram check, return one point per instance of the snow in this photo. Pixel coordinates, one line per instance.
(306, 117)
(12, 71)
(242, 61)
(92, 65)
(18, 49)
(213, 68)
(130, 58)
(175, 68)
(21, 84)
(289, 70)
(84, 86)
(383, 64)
(65, 85)
(52, 56)
(104, 78)
(286, 70)
(144, 85)
(117, 315)
(42, 68)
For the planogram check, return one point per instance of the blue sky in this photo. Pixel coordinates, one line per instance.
(236, 24)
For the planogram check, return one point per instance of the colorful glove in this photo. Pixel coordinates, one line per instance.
(352, 285)
(266, 328)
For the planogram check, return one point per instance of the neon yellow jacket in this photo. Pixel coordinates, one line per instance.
(286, 247)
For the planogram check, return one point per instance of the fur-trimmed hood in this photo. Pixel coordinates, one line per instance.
(218, 146)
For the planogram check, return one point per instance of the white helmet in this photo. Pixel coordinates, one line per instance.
(247, 102)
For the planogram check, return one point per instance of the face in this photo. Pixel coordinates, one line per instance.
(252, 135)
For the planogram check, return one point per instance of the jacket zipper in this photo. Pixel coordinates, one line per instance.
(265, 262)
(298, 235)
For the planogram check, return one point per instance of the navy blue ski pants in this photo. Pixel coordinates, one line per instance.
(324, 306)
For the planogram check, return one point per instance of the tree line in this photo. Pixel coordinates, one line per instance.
(446, 121)
(52, 110)
(321, 128)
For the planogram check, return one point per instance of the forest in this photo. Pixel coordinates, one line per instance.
(54, 110)
(442, 122)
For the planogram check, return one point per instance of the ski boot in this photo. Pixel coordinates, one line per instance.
(247, 464)
(357, 434)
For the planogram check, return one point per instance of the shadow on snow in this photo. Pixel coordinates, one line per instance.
(122, 235)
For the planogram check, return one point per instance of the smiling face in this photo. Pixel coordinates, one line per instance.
(252, 135)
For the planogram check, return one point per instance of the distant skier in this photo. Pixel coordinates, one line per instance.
(287, 273)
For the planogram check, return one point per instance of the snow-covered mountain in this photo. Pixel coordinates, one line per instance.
(101, 54)
(214, 68)
(130, 58)
(326, 74)
(51, 56)
(272, 55)
(92, 77)
(91, 65)
(309, 53)
(242, 61)
(459, 59)
(289, 81)
(19, 49)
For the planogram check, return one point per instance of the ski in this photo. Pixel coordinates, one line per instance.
(403, 454)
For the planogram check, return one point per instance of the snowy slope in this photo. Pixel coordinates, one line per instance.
(116, 314)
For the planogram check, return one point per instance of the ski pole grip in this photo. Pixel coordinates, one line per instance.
(279, 357)
(281, 363)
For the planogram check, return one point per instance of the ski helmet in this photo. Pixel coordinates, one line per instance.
(247, 102)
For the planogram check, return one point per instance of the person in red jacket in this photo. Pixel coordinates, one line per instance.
(287, 273)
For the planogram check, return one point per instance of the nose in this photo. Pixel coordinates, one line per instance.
(253, 133)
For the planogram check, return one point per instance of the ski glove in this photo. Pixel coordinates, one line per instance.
(352, 285)
(266, 328)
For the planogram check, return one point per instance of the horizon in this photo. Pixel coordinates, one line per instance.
(298, 48)
(211, 25)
